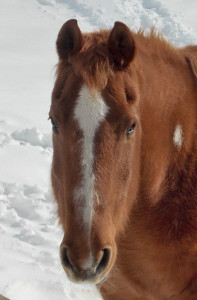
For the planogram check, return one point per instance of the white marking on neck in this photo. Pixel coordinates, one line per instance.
(178, 136)
(90, 111)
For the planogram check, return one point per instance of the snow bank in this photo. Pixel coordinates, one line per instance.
(34, 137)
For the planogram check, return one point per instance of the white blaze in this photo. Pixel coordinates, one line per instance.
(178, 136)
(90, 111)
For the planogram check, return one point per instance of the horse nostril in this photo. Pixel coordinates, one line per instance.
(64, 258)
(104, 260)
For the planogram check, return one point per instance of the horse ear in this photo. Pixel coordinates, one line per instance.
(69, 39)
(121, 45)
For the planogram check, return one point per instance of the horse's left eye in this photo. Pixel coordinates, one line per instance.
(131, 129)
(54, 126)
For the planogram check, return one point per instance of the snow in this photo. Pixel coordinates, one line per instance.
(29, 231)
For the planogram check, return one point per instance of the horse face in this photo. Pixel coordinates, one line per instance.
(95, 167)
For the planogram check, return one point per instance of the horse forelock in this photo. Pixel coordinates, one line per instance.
(92, 63)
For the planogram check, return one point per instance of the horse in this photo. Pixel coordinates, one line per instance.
(124, 168)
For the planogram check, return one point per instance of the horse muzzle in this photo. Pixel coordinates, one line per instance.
(94, 268)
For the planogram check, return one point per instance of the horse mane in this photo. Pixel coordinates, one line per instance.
(156, 40)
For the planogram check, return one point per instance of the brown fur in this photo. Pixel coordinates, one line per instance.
(146, 207)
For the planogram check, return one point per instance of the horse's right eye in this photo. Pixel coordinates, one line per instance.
(54, 126)
(131, 129)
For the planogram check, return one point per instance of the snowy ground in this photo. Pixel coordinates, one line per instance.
(29, 231)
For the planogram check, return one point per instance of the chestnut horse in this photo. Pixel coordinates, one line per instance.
(124, 171)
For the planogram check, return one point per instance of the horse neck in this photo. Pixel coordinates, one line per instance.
(168, 119)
